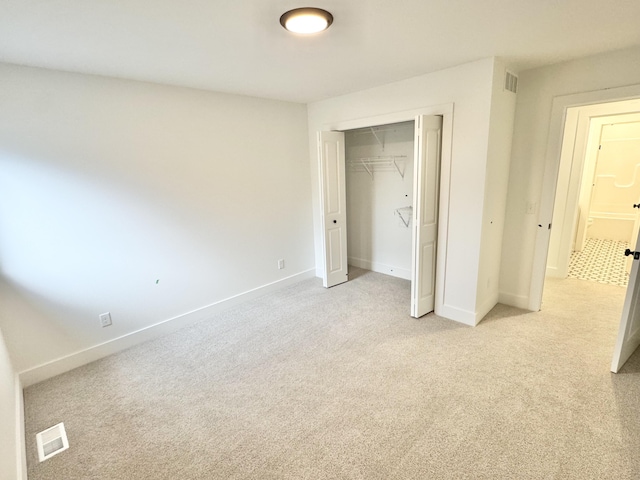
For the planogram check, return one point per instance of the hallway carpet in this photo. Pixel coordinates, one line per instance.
(310, 383)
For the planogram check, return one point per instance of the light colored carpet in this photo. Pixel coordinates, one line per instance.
(311, 383)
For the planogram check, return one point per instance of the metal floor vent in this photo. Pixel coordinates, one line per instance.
(511, 82)
(51, 442)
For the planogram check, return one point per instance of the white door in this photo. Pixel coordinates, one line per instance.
(333, 206)
(425, 206)
(634, 234)
(629, 330)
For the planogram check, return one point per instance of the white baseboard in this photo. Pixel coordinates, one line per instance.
(474, 318)
(513, 300)
(88, 355)
(457, 315)
(380, 268)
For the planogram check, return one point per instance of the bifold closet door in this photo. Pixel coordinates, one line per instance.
(426, 184)
(331, 153)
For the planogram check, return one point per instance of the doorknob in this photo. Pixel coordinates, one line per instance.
(636, 205)
(636, 255)
(335, 221)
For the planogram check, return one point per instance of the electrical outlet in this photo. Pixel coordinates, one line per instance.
(280, 264)
(105, 319)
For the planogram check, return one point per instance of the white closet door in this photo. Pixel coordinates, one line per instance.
(333, 206)
(629, 330)
(425, 206)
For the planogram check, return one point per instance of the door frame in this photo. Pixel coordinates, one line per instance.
(559, 109)
(446, 112)
(579, 140)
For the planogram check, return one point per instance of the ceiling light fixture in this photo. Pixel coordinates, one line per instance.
(306, 20)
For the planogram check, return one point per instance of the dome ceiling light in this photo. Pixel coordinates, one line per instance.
(306, 20)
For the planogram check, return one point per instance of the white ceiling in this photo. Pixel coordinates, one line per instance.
(238, 46)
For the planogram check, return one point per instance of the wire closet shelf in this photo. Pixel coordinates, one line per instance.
(370, 165)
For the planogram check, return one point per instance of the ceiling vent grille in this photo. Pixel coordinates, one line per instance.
(51, 442)
(511, 82)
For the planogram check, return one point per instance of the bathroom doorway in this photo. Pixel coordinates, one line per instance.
(608, 216)
(594, 220)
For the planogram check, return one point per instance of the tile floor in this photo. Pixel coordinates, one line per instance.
(601, 261)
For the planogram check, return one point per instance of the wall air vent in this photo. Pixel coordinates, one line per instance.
(511, 82)
(51, 441)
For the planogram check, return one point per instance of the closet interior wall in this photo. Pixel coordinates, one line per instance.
(379, 182)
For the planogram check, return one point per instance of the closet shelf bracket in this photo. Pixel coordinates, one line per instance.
(366, 167)
(395, 163)
(377, 138)
(405, 214)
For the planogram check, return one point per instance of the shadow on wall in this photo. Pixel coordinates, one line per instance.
(27, 315)
(74, 245)
(143, 200)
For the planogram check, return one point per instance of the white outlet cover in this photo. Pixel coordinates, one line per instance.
(105, 319)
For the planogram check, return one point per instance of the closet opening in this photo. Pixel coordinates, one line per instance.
(388, 220)
(379, 193)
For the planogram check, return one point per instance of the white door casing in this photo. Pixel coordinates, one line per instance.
(331, 154)
(629, 330)
(425, 207)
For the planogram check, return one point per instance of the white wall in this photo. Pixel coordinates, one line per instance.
(377, 238)
(10, 448)
(532, 137)
(503, 106)
(469, 87)
(147, 201)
